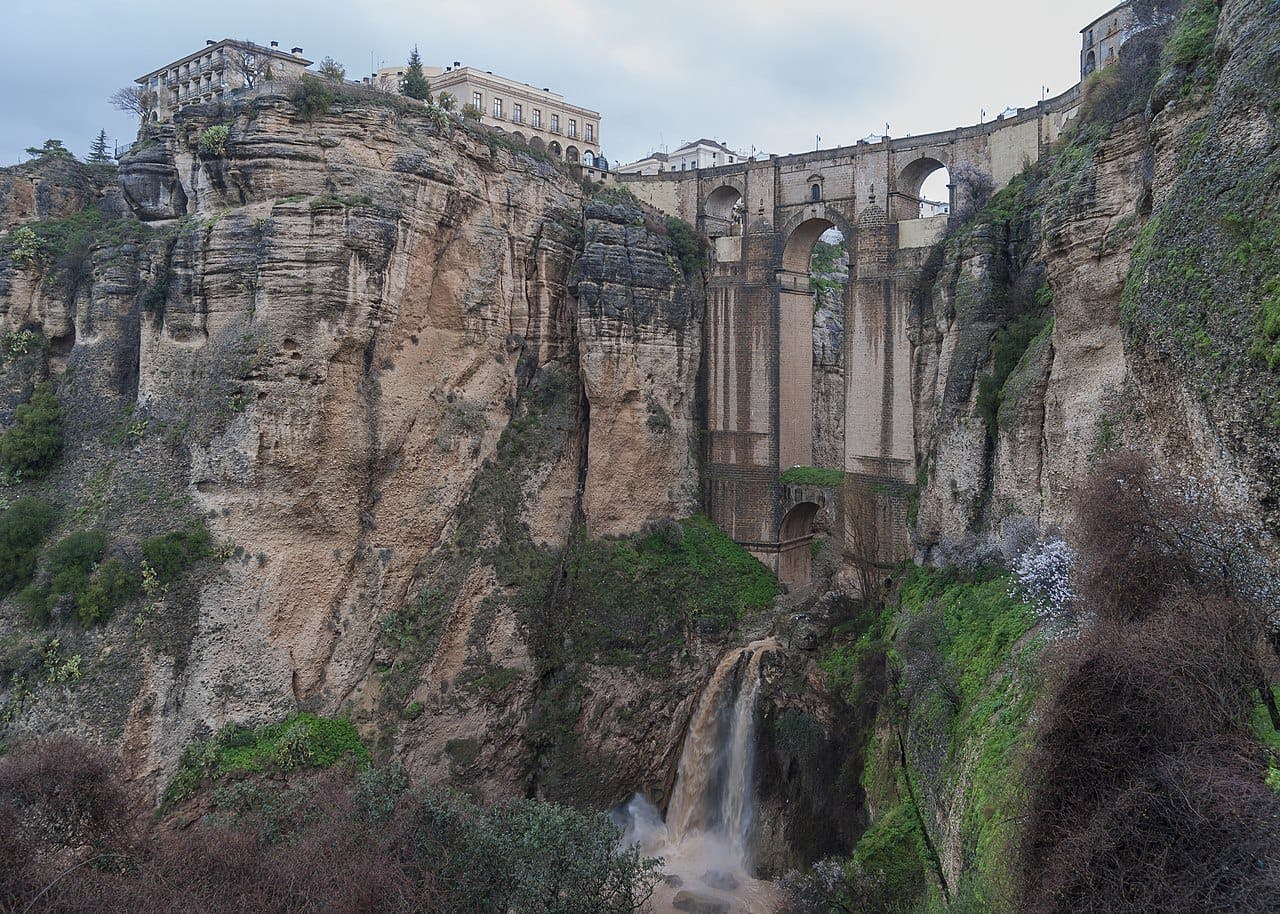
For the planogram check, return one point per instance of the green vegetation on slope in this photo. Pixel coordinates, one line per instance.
(630, 596)
(299, 741)
(23, 527)
(958, 706)
(31, 446)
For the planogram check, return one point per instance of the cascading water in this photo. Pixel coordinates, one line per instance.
(705, 842)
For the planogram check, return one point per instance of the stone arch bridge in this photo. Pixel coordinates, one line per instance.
(764, 218)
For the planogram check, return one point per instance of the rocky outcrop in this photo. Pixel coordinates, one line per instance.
(318, 339)
(640, 345)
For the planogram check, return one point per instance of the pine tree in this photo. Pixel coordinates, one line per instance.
(415, 82)
(100, 151)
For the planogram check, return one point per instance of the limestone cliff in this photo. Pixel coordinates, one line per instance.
(397, 370)
(1084, 339)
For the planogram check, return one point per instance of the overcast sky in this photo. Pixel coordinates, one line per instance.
(773, 74)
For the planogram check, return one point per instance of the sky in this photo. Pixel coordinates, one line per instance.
(765, 75)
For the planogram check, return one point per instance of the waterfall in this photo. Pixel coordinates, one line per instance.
(705, 841)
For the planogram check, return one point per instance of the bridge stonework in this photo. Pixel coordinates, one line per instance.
(763, 219)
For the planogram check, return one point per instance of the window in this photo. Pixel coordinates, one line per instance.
(478, 100)
(730, 160)
(517, 113)
(555, 123)
(815, 193)
(591, 133)
(537, 117)
(573, 127)
(497, 107)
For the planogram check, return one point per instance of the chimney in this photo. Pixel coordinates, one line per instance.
(275, 44)
(456, 64)
(209, 41)
(296, 52)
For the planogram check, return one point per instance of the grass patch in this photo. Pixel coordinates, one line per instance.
(813, 476)
(299, 741)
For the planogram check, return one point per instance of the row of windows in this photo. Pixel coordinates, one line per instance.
(535, 121)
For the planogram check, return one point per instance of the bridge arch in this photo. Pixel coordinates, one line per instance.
(795, 559)
(722, 211)
(795, 330)
(909, 201)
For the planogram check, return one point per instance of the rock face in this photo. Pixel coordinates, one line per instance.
(1127, 355)
(640, 338)
(319, 346)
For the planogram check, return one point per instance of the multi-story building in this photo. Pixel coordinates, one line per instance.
(1103, 37)
(540, 117)
(220, 67)
(654, 163)
(703, 153)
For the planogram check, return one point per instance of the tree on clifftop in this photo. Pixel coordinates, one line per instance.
(134, 100)
(100, 151)
(331, 70)
(415, 83)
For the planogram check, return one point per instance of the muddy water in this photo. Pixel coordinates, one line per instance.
(705, 842)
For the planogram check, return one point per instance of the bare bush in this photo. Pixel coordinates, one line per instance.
(972, 191)
(340, 843)
(1146, 782)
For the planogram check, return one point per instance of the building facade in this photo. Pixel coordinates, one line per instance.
(653, 164)
(220, 67)
(703, 153)
(1102, 38)
(539, 117)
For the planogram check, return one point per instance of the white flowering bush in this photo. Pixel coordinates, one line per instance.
(1042, 577)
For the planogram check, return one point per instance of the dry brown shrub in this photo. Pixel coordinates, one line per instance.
(1146, 789)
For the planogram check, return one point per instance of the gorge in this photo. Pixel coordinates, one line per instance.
(355, 451)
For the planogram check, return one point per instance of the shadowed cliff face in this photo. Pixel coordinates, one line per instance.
(318, 337)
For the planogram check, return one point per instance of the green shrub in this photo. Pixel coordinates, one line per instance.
(299, 741)
(171, 554)
(213, 140)
(33, 443)
(23, 527)
(691, 248)
(111, 587)
(312, 98)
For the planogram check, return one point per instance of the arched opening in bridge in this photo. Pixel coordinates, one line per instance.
(795, 557)
(724, 212)
(829, 282)
(924, 190)
(812, 295)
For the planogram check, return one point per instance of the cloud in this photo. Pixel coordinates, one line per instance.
(751, 72)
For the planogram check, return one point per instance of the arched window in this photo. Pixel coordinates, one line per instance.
(815, 192)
